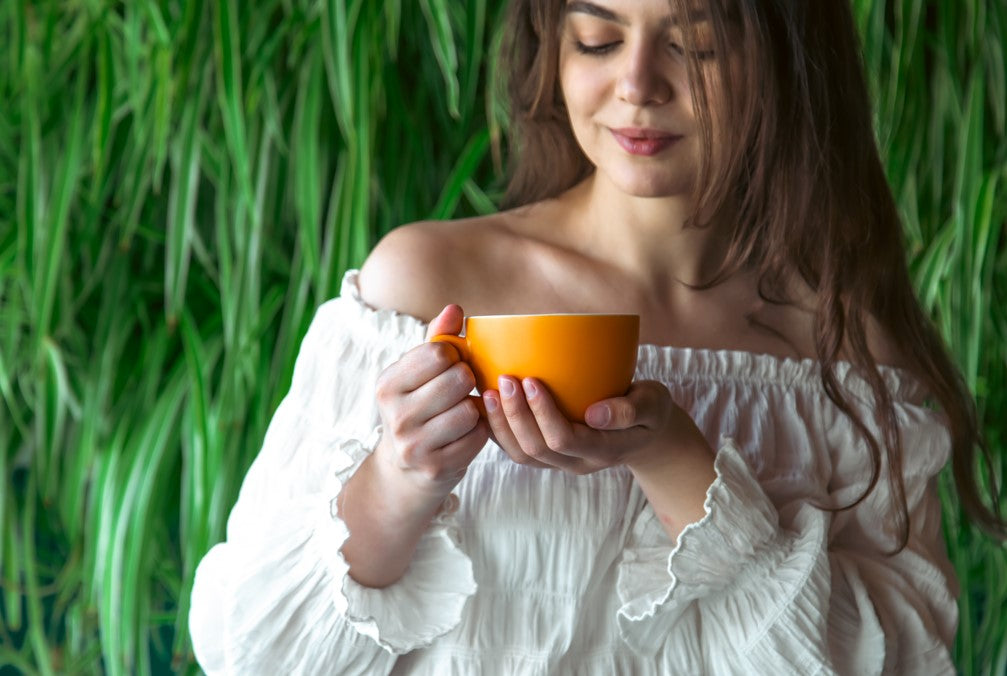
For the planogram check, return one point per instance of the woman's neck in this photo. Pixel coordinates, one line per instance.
(648, 238)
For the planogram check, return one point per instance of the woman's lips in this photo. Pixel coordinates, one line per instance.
(645, 142)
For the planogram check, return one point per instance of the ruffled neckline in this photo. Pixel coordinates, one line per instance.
(690, 363)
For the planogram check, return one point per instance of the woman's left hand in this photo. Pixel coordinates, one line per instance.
(635, 429)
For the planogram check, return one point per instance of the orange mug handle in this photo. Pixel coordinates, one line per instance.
(462, 346)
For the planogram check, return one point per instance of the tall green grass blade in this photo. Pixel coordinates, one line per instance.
(54, 240)
(481, 202)
(10, 559)
(475, 45)
(393, 21)
(182, 208)
(59, 400)
(160, 114)
(336, 44)
(307, 169)
(442, 38)
(29, 201)
(996, 73)
(156, 22)
(12, 575)
(468, 163)
(201, 462)
(105, 83)
(230, 94)
(33, 595)
(102, 557)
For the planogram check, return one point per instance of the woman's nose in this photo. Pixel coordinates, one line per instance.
(642, 79)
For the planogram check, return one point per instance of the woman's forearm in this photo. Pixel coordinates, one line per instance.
(386, 517)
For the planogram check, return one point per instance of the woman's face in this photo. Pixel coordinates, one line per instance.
(623, 73)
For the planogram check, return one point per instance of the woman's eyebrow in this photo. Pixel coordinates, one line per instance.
(584, 7)
(595, 10)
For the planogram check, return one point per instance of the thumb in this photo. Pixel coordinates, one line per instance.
(450, 320)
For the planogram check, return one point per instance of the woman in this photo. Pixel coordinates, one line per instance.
(762, 499)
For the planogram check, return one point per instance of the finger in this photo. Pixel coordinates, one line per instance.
(440, 393)
(502, 433)
(461, 452)
(450, 320)
(525, 427)
(417, 367)
(440, 431)
(557, 432)
(449, 464)
(646, 404)
(572, 447)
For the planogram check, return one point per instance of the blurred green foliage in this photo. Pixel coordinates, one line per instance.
(182, 183)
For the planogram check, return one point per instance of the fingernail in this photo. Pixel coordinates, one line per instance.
(506, 387)
(530, 390)
(490, 401)
(599, 416)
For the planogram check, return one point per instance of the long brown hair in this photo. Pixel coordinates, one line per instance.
(797, 178)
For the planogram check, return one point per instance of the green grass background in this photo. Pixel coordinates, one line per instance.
(182, 183)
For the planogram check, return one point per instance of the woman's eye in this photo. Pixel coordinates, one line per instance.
(595, 50)
(701, 54)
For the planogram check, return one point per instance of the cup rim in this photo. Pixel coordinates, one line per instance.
(555, 314)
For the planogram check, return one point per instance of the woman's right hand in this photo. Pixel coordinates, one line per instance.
(432, 428)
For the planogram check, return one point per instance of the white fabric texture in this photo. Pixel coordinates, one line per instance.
(541, 572)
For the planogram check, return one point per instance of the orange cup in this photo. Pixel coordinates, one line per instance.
(581, 358)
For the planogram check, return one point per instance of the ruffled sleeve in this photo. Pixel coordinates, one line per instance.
(275, 596)
(758, 587)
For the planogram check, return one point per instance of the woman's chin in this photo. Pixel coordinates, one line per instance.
(653, 187)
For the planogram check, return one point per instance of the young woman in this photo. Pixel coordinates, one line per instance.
(762, 500)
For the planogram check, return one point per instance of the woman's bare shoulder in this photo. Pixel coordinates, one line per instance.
(417, 269)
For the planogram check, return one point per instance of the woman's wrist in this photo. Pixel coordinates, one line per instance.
(676, 472)
(679, 439)
(407, 494)
(386, 515)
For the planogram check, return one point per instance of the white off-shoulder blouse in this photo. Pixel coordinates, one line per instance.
(543, 572)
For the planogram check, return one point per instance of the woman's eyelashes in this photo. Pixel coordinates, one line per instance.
(609, 47)
(704, 54)
(595, 50)
(701, 54)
